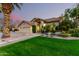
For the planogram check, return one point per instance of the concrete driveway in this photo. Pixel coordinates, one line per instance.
(17, 38)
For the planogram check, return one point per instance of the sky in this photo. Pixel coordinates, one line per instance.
(41, 10)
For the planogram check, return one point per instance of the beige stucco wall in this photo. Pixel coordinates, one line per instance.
(25, 28)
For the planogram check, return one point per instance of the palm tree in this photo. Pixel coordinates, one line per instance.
(7, 8)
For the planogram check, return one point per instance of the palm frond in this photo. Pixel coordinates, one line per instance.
(18, 5)
(13, 7)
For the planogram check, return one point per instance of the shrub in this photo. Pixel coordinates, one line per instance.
(71, 31)
(33, 28)
(66, 35)
(76, 30)
(63, 32)
(42, 29)
(75, 35)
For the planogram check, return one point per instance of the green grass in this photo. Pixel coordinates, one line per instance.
(42, 46)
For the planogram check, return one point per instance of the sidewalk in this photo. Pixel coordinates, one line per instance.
(11, 40)
(65, 38)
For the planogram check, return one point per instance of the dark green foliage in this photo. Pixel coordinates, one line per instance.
(33, 28)
(64, 34)
(75, 35)
(43, 29)
(71, 31)
(74, 32)
(47, 28)
(53, 28)
(70, 19)
(65, 25)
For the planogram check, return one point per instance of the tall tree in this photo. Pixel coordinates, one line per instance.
(7, 8)
(74, 14)
(67, 22)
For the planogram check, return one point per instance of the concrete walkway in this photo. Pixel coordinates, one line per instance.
(65, 38)
(7, 41)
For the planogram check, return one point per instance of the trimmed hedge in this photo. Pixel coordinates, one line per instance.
(75, 35)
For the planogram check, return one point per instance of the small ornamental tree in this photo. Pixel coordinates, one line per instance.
(33, 28)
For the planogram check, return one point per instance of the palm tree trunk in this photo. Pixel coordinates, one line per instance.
(6, 26)
(7, 9)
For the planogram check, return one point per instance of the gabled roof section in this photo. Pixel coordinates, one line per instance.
(36, 20)
(29, 23)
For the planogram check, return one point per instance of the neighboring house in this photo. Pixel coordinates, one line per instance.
(24, 26)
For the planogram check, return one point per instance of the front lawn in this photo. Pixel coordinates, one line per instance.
(42, 46)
